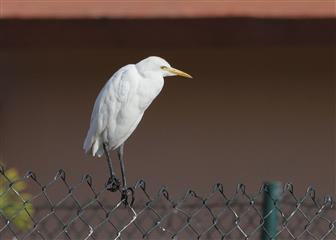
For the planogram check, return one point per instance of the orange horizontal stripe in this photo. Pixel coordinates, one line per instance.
(167, 9)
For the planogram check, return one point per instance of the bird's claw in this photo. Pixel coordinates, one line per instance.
(125, 193)
(113, 184)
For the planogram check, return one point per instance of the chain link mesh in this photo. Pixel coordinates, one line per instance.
(59, 210)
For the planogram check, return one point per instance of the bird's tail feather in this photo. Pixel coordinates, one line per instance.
(97, 148)
(93, 146)
(87, 144)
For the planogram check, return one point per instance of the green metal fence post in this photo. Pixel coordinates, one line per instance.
(270, 213)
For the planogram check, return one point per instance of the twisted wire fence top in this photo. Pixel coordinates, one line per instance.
(58, 210)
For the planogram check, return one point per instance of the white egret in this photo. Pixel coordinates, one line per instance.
(120, 106)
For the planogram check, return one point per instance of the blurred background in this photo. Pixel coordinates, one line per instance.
(261, 105)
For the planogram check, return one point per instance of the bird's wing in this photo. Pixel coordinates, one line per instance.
(107, 106)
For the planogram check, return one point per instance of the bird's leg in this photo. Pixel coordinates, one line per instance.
(124, 190)
(122, 165)
(113, 182)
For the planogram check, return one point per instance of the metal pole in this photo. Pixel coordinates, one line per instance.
(270, 213)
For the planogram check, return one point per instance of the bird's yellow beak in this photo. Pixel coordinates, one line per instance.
(177, 72)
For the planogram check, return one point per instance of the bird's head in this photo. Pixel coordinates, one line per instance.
(157, 65)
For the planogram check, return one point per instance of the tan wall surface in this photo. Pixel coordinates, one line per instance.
(253, 112)
(164, 8)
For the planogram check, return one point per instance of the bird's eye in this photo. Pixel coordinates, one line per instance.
(163, 67)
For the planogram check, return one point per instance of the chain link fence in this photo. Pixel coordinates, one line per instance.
(58, 210)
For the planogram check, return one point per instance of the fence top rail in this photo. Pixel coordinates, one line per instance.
(285, 188)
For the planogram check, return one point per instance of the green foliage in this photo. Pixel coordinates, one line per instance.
(14, 201)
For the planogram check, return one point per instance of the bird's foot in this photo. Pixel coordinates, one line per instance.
(113, 184)
(125, 194)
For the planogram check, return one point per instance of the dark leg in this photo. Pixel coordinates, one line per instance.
(109, 161)
(124, 191)
(113, 182)
(122, 165)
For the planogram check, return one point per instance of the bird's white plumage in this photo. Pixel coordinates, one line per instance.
(122, 102)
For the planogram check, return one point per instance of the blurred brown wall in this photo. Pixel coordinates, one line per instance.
(261, 105)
